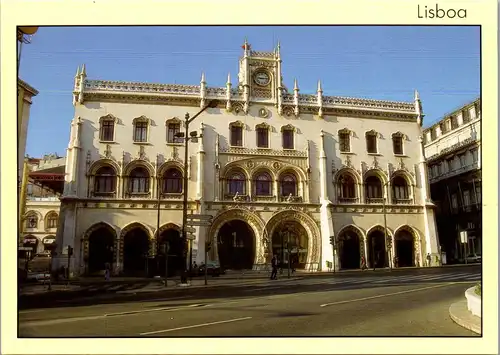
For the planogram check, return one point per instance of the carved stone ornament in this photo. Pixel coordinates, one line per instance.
(375, 163)
(250, 164)
(263, 112)
(348, 162)
(141, 155)
(107, 151)
(401, 164)
(276, 166)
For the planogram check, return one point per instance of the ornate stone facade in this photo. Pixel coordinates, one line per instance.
(266, 155)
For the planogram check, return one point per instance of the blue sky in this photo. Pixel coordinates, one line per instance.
(388, 63)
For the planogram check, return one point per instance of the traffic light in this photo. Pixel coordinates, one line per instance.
(332, 240)
(208, 246)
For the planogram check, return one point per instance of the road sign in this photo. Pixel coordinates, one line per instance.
(463, 237)
(200, 223)
(203, 217)
(190, 229)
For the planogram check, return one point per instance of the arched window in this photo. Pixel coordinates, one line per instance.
(52, 220)
(263, 183)
(32, 220)
(346, 186)
(400, 189)
(236, 134)
(287, 135)
(105, 180)
(236, 184)
(138, 181)
(172, 181)
(373, 187)
(288, 185)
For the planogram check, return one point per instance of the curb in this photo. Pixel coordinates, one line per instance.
(464, 318)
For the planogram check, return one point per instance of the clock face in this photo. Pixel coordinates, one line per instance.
(262, 78)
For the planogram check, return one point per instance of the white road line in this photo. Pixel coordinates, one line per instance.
(263, 288)
(162, 309)
(386, 295)
(196, 326)
(32, 311)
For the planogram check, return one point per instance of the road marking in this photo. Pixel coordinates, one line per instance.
(263, 288)
(167, 309)
(32, 311)
(386, 294)
(196, 326)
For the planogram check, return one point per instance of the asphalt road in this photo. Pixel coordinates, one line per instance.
(413, 303)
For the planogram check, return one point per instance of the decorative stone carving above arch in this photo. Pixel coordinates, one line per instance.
(263, 125)
(254, 221)
(174, 120)
(237, 124)
(94, 166)
(170, 164)
(398, 134)
(108, 117)
(309, 224)
(347, 170)
(138, 163)
(141, 118)
(346, 131)
(288, 127)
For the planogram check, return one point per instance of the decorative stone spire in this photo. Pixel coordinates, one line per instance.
(296, 97)
(83, 75)
(203, 90)
(278, 50)
(418, 109)
(84, 72)
(320, 100)
(322, 153)
(77, 72)
(228, 93)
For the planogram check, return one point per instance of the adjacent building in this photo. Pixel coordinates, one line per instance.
(40, 221)
(281, 173)
(453, 151)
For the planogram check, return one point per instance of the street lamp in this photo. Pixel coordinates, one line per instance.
(386, 186)
(188, 136)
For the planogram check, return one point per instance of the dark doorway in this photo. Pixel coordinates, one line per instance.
(404, 248)
(31, 242)
(377, 255)
(175, 260)
(236, 246)
(350, 254)
(290, 236)
(135, 252)
(101, 243)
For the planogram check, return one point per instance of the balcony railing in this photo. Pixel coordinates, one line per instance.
(376, 200)
(290, 199)
(264, 198)
(348, 199)
(401, 201)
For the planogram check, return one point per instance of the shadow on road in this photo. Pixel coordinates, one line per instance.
(88, 297)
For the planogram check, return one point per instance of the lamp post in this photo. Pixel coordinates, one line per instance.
(388, 254)
(188, 136)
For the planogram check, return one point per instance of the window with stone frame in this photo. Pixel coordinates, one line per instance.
(138, 181)
(371, 142)
(32, 220)
(287, 133)
(172, 181)
(263, 184)
(400, 189)
(262, 136)
(173, 127)
(397, 143)
(140, 131)
(105, 180)
(236, 183)
(345, 141)
(236, 134)
(288, 184)
(475, 155)
(107, 129)
(373, 187)
(52, 220)
(346, 186)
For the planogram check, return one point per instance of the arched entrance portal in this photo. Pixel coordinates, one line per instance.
(135, 252)
(170, 238)
(377, 252)
(405, 250)
(101, 243)
(290, 237)
(350, 248)
(236, 245)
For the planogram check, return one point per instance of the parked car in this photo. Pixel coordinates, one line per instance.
(213, 268)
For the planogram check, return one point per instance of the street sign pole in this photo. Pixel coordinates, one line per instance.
(166, 262)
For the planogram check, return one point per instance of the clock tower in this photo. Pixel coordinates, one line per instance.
(260, 77)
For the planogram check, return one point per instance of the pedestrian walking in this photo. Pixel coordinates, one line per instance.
(107, 271)
(396, 261)
(274, 266)
(363, 263)
(428, 259)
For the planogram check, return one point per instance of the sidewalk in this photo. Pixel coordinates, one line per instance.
(463, 317)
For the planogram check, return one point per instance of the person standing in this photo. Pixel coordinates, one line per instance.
(363, 263)
(428, 259)
(274, 266)
(107, 268)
